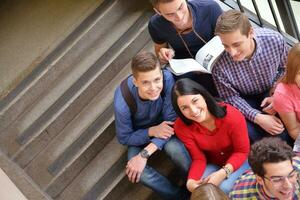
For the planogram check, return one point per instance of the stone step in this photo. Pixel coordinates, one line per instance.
(73, 130)
(21, 180)
(24, 156)
(60, 127)
(59, 182)
(125, 190)
(100, 172)
(70, 171)
(79, 157)
(131, 40)
(67, 72)
(33, 85)
(66, 159)
(63, 150)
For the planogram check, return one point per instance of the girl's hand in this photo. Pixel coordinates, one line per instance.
(216, 178)
(191, 184)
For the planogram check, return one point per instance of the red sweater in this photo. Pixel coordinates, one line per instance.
(228, 143)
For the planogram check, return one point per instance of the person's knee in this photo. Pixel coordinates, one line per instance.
(171, 145)
(174, 147)
(150, 177)
(176, 150)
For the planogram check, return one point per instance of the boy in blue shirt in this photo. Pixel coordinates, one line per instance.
(180, 28)
(149, 127)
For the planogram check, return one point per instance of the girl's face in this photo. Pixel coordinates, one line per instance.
(297, 79)
(193, 107)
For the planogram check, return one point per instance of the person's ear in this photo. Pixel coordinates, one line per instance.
(134, 82)
(251, 33)
(259, 179)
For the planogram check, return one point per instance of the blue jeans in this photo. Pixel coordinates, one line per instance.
(157, 182)
(227, 184)
(254, 130)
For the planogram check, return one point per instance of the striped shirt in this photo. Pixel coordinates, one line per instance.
(257, 75)
(247, 188)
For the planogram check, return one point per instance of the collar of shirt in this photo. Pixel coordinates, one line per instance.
(258, 48)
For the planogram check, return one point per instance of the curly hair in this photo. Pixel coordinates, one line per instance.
(268, 150)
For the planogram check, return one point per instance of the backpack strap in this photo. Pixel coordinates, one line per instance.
(128, 96)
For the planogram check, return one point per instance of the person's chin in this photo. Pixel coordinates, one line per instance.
(178, 24)
(238, 58)
(199, 118)
(286, 195)
(153, 97)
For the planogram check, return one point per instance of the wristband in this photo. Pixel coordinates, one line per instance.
(227, 171)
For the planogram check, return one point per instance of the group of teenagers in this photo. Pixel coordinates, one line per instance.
(230, 133)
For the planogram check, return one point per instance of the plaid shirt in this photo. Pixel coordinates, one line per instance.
(251, 76)
(247, 188)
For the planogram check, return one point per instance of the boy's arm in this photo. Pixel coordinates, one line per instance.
(124, 127)
(126, 133)
(163, 52)
(269, 123)
(229, 94)
(169, 113)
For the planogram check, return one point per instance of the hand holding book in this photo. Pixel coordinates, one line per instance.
(205, 58)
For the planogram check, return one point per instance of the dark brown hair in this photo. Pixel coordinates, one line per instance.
(186, 86)
(231, 21)
(268, 150)
(144, 62)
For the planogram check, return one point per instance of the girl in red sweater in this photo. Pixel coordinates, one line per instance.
(214, 133)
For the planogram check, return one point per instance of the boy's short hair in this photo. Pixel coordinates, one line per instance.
(144, 62)
(231, 21)
(155, 3)
(268, 150)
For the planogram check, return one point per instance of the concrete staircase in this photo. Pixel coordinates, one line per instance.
(57, 127)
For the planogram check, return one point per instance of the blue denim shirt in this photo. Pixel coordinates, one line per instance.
(134, 131)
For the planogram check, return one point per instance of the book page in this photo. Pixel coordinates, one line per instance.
(181, 66)
(209, 53)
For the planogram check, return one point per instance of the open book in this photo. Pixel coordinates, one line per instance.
(204, 60)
